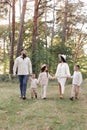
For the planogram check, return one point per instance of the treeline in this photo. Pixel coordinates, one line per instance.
(57, 26)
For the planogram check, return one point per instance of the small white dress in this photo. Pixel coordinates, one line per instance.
(44, 78)
(33, 84)
(43, 81)
(62, 73)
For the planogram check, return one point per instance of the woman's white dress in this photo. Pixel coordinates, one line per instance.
(62, 73)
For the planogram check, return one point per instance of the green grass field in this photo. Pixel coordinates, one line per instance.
(37, 114)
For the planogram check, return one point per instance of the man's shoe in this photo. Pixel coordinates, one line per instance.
(76, 98)
(20, 97)
(35, 95)
(24, 98)
(71, 98)
(44, 98)
(61, 97)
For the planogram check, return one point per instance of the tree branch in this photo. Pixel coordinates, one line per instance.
(6, 2)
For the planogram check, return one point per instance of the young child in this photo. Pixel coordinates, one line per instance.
(76, 82)
(33, 86)
(43, 78)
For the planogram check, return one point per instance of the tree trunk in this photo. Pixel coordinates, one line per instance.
(65, 22)
(34, 34)
(53, 33)
(20, 8)
(12, 37)
(4, 70)
(20, 39)
(46, 33)
(9, 26)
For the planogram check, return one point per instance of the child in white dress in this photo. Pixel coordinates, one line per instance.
(76, 82)
(33, 86)
(43, 78)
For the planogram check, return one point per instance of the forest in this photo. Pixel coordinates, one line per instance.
(45, 28)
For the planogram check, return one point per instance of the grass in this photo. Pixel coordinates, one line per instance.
(37, 114)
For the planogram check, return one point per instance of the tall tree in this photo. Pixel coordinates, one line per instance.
(12, 38)
(53, 23)
(65, 21)
(34, 34)
(20, 39)
(20, 7)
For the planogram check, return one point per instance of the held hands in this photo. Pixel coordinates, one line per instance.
(14, 75)
(53, 78)
(70, 77)
(30, 75)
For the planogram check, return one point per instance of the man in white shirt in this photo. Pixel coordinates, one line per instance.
(76, 82)
(23, 67)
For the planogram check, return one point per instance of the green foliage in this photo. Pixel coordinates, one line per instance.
(47, 51)
(83, 65)
(59, 49)
(4, 78)
(40, 56)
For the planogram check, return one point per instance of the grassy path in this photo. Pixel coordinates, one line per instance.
(38, 114)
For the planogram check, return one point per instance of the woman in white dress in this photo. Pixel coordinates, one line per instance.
(62, 73)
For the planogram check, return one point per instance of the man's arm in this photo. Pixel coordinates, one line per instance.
(15, 67)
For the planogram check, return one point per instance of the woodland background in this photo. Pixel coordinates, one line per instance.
(45, 28)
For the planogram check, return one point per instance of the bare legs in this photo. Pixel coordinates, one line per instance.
(60, 91)
(74, 92)
(33, 93)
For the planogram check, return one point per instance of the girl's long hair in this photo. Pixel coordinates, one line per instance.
(43, 69)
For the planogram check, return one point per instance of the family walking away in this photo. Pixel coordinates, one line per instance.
(23, 68)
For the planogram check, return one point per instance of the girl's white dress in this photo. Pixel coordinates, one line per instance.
(43, 81)
(62, 73)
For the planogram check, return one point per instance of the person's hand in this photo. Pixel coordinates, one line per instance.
(30, 75)
(14, 75)
(53, 77)
(70, 77)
